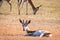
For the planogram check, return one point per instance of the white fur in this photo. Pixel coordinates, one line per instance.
(26, 28)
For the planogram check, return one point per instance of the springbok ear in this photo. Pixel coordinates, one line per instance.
(28, 21)
(21, 21)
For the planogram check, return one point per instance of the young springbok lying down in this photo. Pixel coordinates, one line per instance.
(41, 33)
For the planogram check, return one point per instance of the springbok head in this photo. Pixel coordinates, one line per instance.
(25, 24)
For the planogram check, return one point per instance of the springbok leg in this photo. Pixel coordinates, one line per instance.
(19, 3)
(27, 7)
(22, 3)
(10, 6)
(1, 3)
(8, 1)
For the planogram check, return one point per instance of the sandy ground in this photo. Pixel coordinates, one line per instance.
(11, 28)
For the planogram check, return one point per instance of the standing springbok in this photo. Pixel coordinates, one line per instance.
(8, 1)
(35, 9)
(41, 33)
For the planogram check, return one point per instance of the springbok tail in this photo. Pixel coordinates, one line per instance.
(50, 35)
(47, 35)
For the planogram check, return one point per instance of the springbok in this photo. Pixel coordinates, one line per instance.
(35, 9)
(8, 1)
(41, 33)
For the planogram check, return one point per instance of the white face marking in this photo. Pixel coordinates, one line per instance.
(26, 28)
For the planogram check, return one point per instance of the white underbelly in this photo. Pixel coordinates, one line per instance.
(38, 32)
